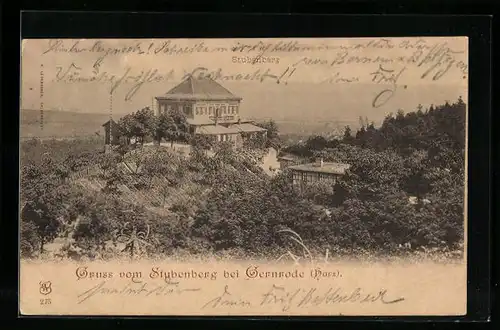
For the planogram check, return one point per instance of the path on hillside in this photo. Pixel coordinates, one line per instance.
(270, 162)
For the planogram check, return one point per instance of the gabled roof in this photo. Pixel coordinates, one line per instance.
(109, 121)
(201, 88)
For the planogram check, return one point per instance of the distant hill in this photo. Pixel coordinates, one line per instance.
(60, 124)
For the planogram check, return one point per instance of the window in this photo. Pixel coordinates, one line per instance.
(169, 107)
(198, 111)
(223, 108)
(211, 110)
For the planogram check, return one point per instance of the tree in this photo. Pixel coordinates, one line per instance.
(108, 161)
(256, 141)
(30, 242)
(43, 220)
(173, 126)
(347, 135)
(316, 142)
(319, 192)
(135, 159)
(272, 135)
(42, 191)
(202, 142)
(160, 163)
(146, 122)
(415, 181)
(224, 153)
(128, 127)
(113, 179)
(138, 125)
(361, 136)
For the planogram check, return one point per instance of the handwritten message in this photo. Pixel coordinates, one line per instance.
(392, 63)
(288, 298)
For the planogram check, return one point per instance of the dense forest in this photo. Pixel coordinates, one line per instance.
(403, 193)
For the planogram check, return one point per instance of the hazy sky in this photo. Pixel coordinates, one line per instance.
(319, 79)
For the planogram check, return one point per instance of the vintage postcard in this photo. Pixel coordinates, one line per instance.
(221, 177)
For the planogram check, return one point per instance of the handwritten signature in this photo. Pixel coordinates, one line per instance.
(386, 76)
(133, 288)
(288, 299)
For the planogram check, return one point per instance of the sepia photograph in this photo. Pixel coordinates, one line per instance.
(286, 176)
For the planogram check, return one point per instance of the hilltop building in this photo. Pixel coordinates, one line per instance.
(320, 171)
(210, 110)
